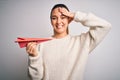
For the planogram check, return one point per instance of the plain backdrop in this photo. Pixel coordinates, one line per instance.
(30, 18)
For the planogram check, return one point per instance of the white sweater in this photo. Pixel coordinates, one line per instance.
(65, 58)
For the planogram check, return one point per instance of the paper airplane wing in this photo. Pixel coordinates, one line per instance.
(24, 41)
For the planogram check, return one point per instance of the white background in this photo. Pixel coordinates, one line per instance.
(30, 18)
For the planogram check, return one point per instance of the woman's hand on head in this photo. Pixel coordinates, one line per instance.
(65, 12)
(31, 49)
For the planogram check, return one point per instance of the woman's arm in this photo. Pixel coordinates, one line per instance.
(35, 65)
(98, 28)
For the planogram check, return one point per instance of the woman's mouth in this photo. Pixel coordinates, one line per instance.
(59, 26)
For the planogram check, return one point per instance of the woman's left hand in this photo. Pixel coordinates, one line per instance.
(65, 12)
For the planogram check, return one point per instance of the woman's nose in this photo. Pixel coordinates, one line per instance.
(59, 20)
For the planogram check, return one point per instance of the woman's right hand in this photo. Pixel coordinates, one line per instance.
(31, 49)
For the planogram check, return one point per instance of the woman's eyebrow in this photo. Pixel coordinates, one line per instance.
(63, 15)
(53, 16)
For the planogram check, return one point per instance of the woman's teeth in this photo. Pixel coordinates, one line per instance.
(60, 26)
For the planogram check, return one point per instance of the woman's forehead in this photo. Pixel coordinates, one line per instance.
(56, 11)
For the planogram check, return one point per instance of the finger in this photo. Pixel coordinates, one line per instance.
(30, 47)
(31, 43)
(63, 11)
(70, 20)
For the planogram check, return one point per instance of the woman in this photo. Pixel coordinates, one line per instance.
(64, 57)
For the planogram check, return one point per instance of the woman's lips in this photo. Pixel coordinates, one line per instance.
(60, 26)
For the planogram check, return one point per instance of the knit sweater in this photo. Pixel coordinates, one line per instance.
(65, 58)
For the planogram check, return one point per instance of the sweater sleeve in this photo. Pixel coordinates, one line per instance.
(98, 28)
(36, 66)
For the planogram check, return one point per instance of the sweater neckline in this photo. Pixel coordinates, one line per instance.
(61, 38)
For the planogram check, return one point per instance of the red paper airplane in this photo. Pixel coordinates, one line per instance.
(24, 41)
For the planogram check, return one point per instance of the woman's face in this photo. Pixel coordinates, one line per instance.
(59, 21)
